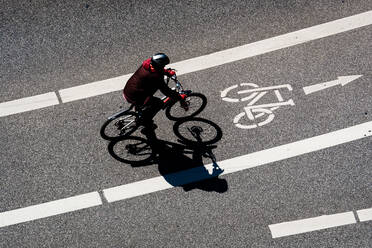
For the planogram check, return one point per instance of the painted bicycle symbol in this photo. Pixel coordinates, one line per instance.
(256, 115)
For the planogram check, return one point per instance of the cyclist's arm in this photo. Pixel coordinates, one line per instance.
(163, 87)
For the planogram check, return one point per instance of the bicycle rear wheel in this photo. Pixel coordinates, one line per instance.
(120, 126)
(196, 102)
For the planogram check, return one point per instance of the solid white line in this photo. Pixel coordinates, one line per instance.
(311, 224)
(49, 209)
(229, 55)
(274, 43)
(28, 103)
(196, 64)
(93, 89)
(157, 183)
(241, 163)
(365, 214)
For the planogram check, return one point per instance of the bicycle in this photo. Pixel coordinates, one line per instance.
(127, 121)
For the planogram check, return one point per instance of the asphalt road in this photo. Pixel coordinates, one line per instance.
(56, 152)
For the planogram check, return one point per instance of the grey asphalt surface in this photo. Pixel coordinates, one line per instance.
(56, 152)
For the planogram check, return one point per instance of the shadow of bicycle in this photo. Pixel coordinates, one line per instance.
(181, 164)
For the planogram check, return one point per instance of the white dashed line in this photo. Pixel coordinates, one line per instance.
(28, 104)
(311, 224)
(50, 209)
(365, 214)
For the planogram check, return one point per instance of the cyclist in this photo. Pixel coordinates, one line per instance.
(143, 84)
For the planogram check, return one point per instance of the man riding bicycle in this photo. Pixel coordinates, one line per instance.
(143, 84)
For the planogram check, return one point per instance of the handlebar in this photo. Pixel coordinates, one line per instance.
(179, 87)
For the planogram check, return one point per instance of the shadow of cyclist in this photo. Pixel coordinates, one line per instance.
(180, 170)
(182, 164)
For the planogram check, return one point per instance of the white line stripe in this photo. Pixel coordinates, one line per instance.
(274, 43)
(198, 63)
(365, 214)
(28, 103)
(156, 184)
(297, 148)
(93, 89)
(241, 163)
(311, 224)
(229, 55)
(49, 209)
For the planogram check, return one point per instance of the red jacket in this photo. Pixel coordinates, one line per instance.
(145, 82)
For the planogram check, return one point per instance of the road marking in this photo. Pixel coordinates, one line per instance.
(339, 81)
(28, 103)
(157, 183)
(50, 209)
(232, 54)
(274, 43)
(285, 86)
(188, 176)
(94, 89)
(241, 163)
(365, 214)
(215, 59)
(311, 224)
(254, 112)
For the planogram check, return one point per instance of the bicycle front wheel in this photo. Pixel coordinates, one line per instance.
(120, 126)
(196, 102)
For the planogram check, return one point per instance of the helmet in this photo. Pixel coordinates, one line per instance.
(159, 60)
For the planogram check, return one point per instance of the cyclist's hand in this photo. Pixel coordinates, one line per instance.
(170, 72)
(184, 105)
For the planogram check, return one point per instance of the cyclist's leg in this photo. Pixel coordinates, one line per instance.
(151, 108)
(148, 112)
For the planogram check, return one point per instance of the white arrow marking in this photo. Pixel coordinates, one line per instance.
(339, 81)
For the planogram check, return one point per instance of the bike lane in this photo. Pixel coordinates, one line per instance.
(338, 172)
(83, 43)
